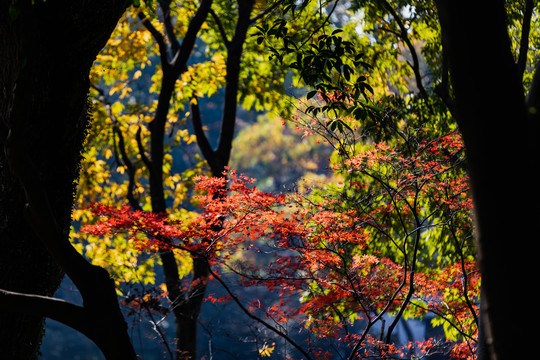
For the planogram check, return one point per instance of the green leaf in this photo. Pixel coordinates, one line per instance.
(311, 94)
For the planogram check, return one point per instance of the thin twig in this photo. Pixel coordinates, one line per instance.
(259, 320)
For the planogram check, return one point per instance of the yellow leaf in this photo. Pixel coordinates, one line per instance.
(108, 153)
(125, 92)
(191, 138)
(267, 350)
(137, 74)
(116, 88)
(163, 288)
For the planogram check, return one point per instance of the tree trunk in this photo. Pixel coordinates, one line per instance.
(46, 51)
(501, 147)
(187, 304)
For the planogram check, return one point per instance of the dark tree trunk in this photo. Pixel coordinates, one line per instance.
(46, 51)
(186, 305)
(502, 149)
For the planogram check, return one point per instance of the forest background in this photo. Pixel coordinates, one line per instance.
(345, 113)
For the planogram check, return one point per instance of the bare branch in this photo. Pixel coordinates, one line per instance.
(157, 329)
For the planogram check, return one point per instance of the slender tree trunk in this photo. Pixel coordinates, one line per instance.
(188, 313)
(186, 304)
(46, 51)
(502, 149)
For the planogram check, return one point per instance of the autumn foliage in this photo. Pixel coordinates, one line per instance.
(389, 241)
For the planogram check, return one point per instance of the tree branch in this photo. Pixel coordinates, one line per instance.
(181, 57)
(62, 311)
(524, 42)
(259, 320)
(405, 37)
(443, 88)
(202, 140)
(169, 27)
(171, 71)
(157, 125)
(266, 11)
(158, 37)
(142, 152)
(234, 55)
(131, 170)
(220, 28)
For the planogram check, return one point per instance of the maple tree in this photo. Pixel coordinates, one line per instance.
(342, 254)
(447, 79)
(408, 194)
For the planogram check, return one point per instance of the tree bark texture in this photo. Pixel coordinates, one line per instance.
(46, 51)
(501, 141)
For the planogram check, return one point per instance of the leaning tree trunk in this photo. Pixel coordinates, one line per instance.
(501, 140)
(46, 51)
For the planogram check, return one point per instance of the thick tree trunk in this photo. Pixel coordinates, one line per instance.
(46, 51)
(502, 149)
